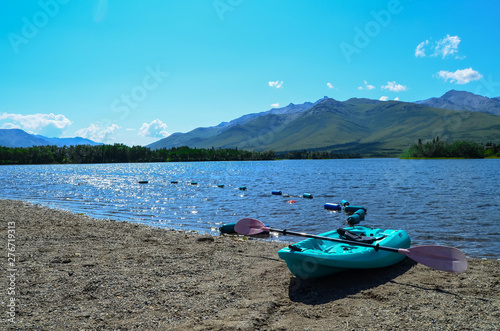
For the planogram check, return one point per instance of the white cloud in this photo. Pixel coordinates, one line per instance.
(330, 85)
(420, 50)
(366, 87)
(96, 133)
(383, 98)
(445, 47)
(460, 76)
(155, 129)
(394, 87)
(277, 84)
(38, 123)
(10, 126)
(396, 99)
(275, 105)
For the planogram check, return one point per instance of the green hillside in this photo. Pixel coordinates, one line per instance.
(200, 137)
(367, 127)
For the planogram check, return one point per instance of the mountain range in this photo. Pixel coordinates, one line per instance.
(364, 126)
(461, 100)
(20, 138)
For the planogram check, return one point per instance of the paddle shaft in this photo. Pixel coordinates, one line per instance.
(376, 247)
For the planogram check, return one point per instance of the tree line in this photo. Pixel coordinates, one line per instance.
(119, 153)
(461, 149)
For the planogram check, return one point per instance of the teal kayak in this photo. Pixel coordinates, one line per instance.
(313, 258)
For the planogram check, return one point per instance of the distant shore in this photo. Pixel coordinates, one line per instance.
(69, 271)
(448, 158)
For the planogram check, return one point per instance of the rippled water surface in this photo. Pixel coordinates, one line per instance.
(445, 202)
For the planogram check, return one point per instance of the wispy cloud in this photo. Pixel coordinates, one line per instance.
(276, 84)
(96, 133)
(155, 129)
(394, 87)
(383, 98)
(420, 50)
(37, 123)
(396, 99)
(446, 46)
(443, 48)
(330, 85)
(275, 105)
(10, 126)
(366, 86)
(100, 10)
(461, 77)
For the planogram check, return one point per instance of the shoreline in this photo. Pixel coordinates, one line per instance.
(76, 272)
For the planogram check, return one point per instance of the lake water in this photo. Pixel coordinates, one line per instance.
(445, 202)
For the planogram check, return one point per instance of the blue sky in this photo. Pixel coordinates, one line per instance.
(134, 72)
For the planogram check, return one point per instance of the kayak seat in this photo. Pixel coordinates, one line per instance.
(351, 236)
(294, 248)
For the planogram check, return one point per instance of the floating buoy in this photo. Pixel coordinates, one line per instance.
(353, 209)
(143, 182)
(276, 192)
(353, 219)
(220, 185)
(360, 212)
(307, 195)
(357, 217)
(227, 228)
(333, 206)
(242, 188)
(173, 182)
(292, 201)
(344, 203)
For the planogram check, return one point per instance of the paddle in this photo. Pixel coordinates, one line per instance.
(443, 258)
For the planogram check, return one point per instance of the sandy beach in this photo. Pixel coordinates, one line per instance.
(72, 272)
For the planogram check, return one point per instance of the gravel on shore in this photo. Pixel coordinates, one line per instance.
(68, 271)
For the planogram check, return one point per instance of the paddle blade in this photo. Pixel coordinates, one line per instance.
(249, 226)
(449, 259)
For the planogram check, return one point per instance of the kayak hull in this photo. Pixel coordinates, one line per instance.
(319, 258)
